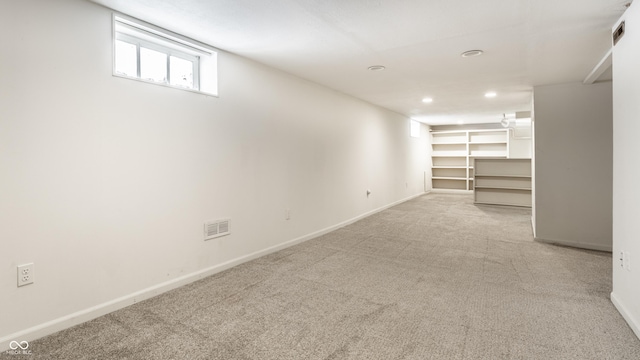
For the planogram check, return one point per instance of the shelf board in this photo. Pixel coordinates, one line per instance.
(451, 191)
(450, 143)
(502, 204)
(449, 132)
(504, 156)
(505, 176)
(445, 155)
(486, 142)
(449, 167)
(502, 188)
(487, 130)
(448, 178)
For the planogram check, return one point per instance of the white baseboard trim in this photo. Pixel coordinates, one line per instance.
(575, 244)
(633, 323)
(91, 313)
(533, 227)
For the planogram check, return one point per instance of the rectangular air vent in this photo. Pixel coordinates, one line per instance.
(216, 228)
(618, 33)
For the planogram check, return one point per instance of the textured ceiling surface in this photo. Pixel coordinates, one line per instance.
(333, 42)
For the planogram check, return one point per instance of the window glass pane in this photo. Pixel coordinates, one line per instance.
(153, 65)
(126, 61)
(181, 72)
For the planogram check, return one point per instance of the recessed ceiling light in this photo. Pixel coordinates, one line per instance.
(376, 68)
(427, 100)
(472, 53)
(490, 94)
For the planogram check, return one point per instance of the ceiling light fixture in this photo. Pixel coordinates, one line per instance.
(472, 53)
(427, 100)
(376, 68)
(490, 94)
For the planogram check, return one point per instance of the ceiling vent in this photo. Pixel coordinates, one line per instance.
(472, 53)
(216, 228)
(376, 68)
(618, 33)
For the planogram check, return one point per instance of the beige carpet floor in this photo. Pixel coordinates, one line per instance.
(433, 278)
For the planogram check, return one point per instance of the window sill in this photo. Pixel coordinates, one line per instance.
(166, 85)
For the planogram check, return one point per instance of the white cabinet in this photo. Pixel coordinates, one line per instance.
(502, 181)
(453, 152)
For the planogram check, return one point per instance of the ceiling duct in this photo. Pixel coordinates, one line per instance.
(618, 33)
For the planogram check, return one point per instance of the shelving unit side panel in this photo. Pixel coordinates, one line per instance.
(449, 184)
(503, 197)
(504, 167)
(503, 182)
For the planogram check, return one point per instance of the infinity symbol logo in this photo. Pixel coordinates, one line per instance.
(22, 345)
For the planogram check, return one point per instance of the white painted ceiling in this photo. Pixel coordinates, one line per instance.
(332, 42)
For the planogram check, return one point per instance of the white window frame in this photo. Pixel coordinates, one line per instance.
(195, 60)
(142, 34)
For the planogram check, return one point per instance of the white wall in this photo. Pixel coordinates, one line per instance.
(626, 169)
(106, 182)
(520, 139)
(573, 164)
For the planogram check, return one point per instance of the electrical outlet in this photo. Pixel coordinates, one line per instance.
(625, 260)
(25, 274)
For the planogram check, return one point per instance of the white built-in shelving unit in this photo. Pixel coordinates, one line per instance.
(453, 152)
(502, 181)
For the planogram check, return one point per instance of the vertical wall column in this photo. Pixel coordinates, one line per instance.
(573, 165)
(626, 171)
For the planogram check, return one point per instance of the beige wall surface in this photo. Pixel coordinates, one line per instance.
(626, 171)
(573, 164)
(106, 182)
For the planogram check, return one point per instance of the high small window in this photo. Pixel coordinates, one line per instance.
(148, 53)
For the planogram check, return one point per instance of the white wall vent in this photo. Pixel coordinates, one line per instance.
(216, 228)
(618, 33)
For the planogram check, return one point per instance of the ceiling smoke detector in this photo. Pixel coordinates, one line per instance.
(376, 68)
(472, 53)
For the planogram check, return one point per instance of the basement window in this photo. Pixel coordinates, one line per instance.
(148, 53)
